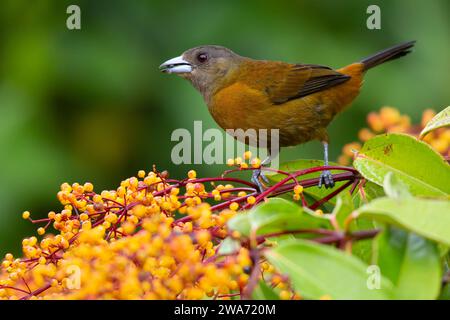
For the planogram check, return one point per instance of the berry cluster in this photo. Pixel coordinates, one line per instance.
(389, 120)
(151, 238)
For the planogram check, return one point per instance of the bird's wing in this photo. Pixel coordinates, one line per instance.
(299, 80)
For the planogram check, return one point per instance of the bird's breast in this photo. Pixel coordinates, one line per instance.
(234, 107)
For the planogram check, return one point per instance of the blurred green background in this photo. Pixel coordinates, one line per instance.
(91, 105)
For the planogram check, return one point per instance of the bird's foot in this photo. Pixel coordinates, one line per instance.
(326, 178)
(257, 176)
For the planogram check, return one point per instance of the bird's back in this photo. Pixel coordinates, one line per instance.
(300, 100)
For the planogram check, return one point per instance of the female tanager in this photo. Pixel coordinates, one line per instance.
(299, 100)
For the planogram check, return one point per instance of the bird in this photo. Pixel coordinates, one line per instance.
(298, 99)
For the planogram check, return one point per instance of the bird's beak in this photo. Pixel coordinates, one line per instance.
(176, 65)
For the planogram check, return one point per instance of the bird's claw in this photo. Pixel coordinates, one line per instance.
(257, 176)
(326, 178)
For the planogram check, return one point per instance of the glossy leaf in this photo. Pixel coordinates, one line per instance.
(318, 270)
(442, 119)
(413, 162)
(344, 207)
(411, 262)
(427, 217)
(277, 215)
(229, 246)
(371, 191)
(264, 292)
(394, 187)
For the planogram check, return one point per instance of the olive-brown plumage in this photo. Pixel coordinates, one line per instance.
(298, 99)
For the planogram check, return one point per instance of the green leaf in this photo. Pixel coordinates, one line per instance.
(317, 270)
(411, 262)
(240, 223)
(229, 246)
(344, 207)
(427, 217)
(442, 119)
(264, 292)
(277, 215)
(413, 162)
(296, 165)
(371, 191)
(445, 293)
(394, 187)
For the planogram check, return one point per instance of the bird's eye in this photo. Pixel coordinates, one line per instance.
(202, 57)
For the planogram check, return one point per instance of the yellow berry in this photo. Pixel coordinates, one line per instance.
(285, 295)
(141, 174)
(251, 200)
(139, 211)
(40, 231)
(256, 163)
(88, 187)
(26, 214)
(247, 155)
(203, 237)
(230, 162)
(319, 212)
(298, 189)
(234, 206)
(192, 174)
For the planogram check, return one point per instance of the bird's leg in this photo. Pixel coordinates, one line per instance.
(257, 175)
(326, 178)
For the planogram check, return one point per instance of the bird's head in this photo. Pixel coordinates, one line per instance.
(205, 66)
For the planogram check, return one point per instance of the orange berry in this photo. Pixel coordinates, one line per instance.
(389, 116)
(427, 115)
(350, 147)
(365, 134)
(343, 160)
(375, 122)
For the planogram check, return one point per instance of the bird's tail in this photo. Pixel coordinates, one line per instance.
(389, 54)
